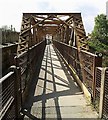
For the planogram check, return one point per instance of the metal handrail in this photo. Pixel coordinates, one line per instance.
(6, 76)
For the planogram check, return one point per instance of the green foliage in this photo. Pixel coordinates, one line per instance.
(8, 28)
(100, 31)
(9, 35)
(99, 37)
(97, 45)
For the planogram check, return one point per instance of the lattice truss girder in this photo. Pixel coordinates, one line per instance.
(65, 27)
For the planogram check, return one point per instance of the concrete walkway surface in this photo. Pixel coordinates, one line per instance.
(55, 94)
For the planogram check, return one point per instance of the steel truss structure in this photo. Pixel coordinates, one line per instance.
(64, 27)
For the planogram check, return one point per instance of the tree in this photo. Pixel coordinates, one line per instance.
(100, 31)
(7, 28)
(4, 28)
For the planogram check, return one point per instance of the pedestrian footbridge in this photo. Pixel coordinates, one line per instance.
(54, 75)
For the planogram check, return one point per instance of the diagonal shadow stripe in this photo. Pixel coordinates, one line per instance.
(58, 77)
(55, 82)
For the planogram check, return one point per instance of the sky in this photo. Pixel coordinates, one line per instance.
(11, 10)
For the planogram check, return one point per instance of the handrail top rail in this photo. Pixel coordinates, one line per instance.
(32, 47)
(89, 53)
(6, 76)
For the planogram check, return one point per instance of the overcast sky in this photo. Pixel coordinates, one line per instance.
(11, 10)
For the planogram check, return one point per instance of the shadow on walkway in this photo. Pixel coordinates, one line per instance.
(52, 89)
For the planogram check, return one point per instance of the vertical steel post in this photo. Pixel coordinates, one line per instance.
(102, 92)
(97, 63)
(14, 68)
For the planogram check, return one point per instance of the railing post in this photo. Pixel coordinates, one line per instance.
(97, 63)
(16, 62)
(102, 92)
(16, 90)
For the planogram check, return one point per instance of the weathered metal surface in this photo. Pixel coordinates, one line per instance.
(84, 67)
(62, 26)
(27, 63)
(15, 84)
(10, 95)
(105, 102)
(65, 27)
(92, 77)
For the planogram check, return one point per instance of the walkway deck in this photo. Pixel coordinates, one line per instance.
(56, 95)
